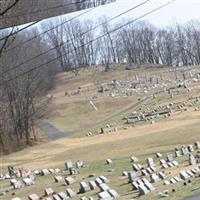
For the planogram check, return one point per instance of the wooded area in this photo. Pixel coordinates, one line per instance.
(28, 69)
(17, 12)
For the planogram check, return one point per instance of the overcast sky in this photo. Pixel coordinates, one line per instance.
(179, 11)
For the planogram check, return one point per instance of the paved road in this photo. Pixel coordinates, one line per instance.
(52, 132)
(195, 197)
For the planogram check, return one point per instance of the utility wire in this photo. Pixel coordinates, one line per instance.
(43, 10)
(66, 42)
(20, 30)
(36, 36)
(114, 30)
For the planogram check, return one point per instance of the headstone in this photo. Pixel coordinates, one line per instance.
(143, 190)
(79, 164)
(28, 181)
(109, 161)
(177, 153)
(52, 171)
(154, 178)
(190, 148)
(104, 195)
(104, 187)
(56, 197)
(192, 160)
(98, 181)
(92, 185)
(150, 162)
(131, 176)
(184, 175)
(137, 167)
(73, 171)
(69, 180)
(148, 185)
(134, 159)
(175, 163)
(48, 191)
(68, 164)
(158, 155)
(84, 187)
(62, 195)
(70, 192)
(161, 175)
(58, 179)
(45, 172)
(104, 179)
(33, 197)
(197, 144)
(113, 193)
(169, 157)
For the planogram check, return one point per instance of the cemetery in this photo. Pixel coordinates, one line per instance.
(136, 136)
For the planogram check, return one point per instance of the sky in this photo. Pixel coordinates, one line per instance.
(179, 11)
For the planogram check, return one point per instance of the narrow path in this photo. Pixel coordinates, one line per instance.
(52, 132)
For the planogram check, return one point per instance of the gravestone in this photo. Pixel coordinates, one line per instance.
(73, 171)
(68, 164)
(161, 175)
(70, 192)
(175, 163)
(98, 181)
(177, 153)
(28, 181)
(109, 161)
(33, 197)
(113, 193)
(45, 172)
(58, 179)
(184, 175)
(158, 155)
(92, 185)
(104, 187)
(104, 195)
(154, 178)
(56, 197)
(148, 185)
(197, 144)
(48, 191)
(131, 176)
(79, 164)
(137, 167)
(69, 180)
(84, 187)
(143, 190)
(104, 179)
(62, 195)
(190, 148)
(134, 159)
(150, 162)
(169, 157)
(192, 160)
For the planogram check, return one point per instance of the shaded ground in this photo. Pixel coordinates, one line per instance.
(52, 132)
(195, 197)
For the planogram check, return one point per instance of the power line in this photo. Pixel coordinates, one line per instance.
(20, 30)
(66, 42)
(47, 9)
(114, 30)
(75, 17)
